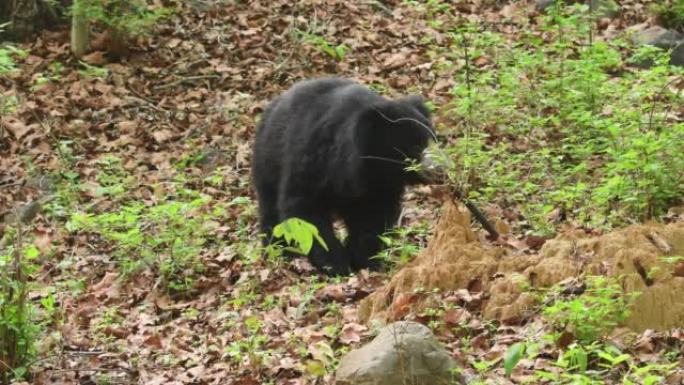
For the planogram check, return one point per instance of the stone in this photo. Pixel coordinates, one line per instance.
(659, 37)
(403, 353)
(677, 55)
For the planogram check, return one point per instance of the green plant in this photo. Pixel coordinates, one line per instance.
(91, 71)
(251, 347)
(21, 322)
(323, 360)
(592, 363)
(167, 236)
(110, 319)
(299, 235)
(596, 312)
(8, 103)
(112, 180)
(484, 365)
(401, 245)
(53, 74)
(649, 374)
(670, 13)
(131, 17)
(512, 356)
(7, 54)
(337, 52)
(551, 129)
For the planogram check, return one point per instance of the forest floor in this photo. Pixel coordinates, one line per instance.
(147, 238)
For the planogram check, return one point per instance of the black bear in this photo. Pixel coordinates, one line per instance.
(331, 147)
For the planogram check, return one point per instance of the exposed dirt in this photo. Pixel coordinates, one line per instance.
(455, 259)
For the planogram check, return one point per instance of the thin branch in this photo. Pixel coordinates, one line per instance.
(186, 79)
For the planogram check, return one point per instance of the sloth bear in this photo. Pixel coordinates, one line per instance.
(331, 147)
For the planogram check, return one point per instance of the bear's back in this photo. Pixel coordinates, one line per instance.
(327, 96)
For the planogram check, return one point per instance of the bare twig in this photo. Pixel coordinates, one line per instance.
(95, 369)
(186, 79)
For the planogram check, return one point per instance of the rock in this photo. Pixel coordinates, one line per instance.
(677, 56)
(403, 353)
(659, 37)
(604, 8)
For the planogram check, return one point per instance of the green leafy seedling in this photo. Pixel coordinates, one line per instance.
(298, 233)
(512, 356)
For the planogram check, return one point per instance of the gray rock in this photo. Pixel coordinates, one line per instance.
(604, 8)
(659, 37)
(677, 56)
(403, 353)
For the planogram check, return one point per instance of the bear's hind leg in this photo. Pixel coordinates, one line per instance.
(268, 212)
(335, 260)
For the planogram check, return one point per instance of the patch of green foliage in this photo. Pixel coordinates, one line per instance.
(167, 236)
(589, 317)
(7, 55)
(53, 74)
(299, 235)
(401, 244)
(337, 52)
(21, 321)
(91, 71)
(131, 17)
(549, 125)
(670, 13)
(592, 364)
(251, 348)
(595, 313)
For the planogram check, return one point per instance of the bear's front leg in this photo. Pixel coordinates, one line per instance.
(365, 223)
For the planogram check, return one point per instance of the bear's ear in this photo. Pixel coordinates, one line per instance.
(417, 102)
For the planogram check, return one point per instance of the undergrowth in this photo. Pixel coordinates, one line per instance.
(560, 127)
(670, 13)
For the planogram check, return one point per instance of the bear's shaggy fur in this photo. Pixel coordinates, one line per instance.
(331, 147)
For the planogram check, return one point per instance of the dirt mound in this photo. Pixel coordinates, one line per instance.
(455, 259)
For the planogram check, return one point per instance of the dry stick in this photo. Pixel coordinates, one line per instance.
(186, 79)
(11, 184)
(143, 100)
(466, 57)
(91, 370)
(479, 216)
(459, 194)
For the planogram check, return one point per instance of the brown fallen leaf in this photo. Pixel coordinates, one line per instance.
(454, 317)
(352, 333)
(95, 58)
(18, 128)
(163, 135)
(332, 293)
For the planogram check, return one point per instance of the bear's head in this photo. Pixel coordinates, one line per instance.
(397, 135)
